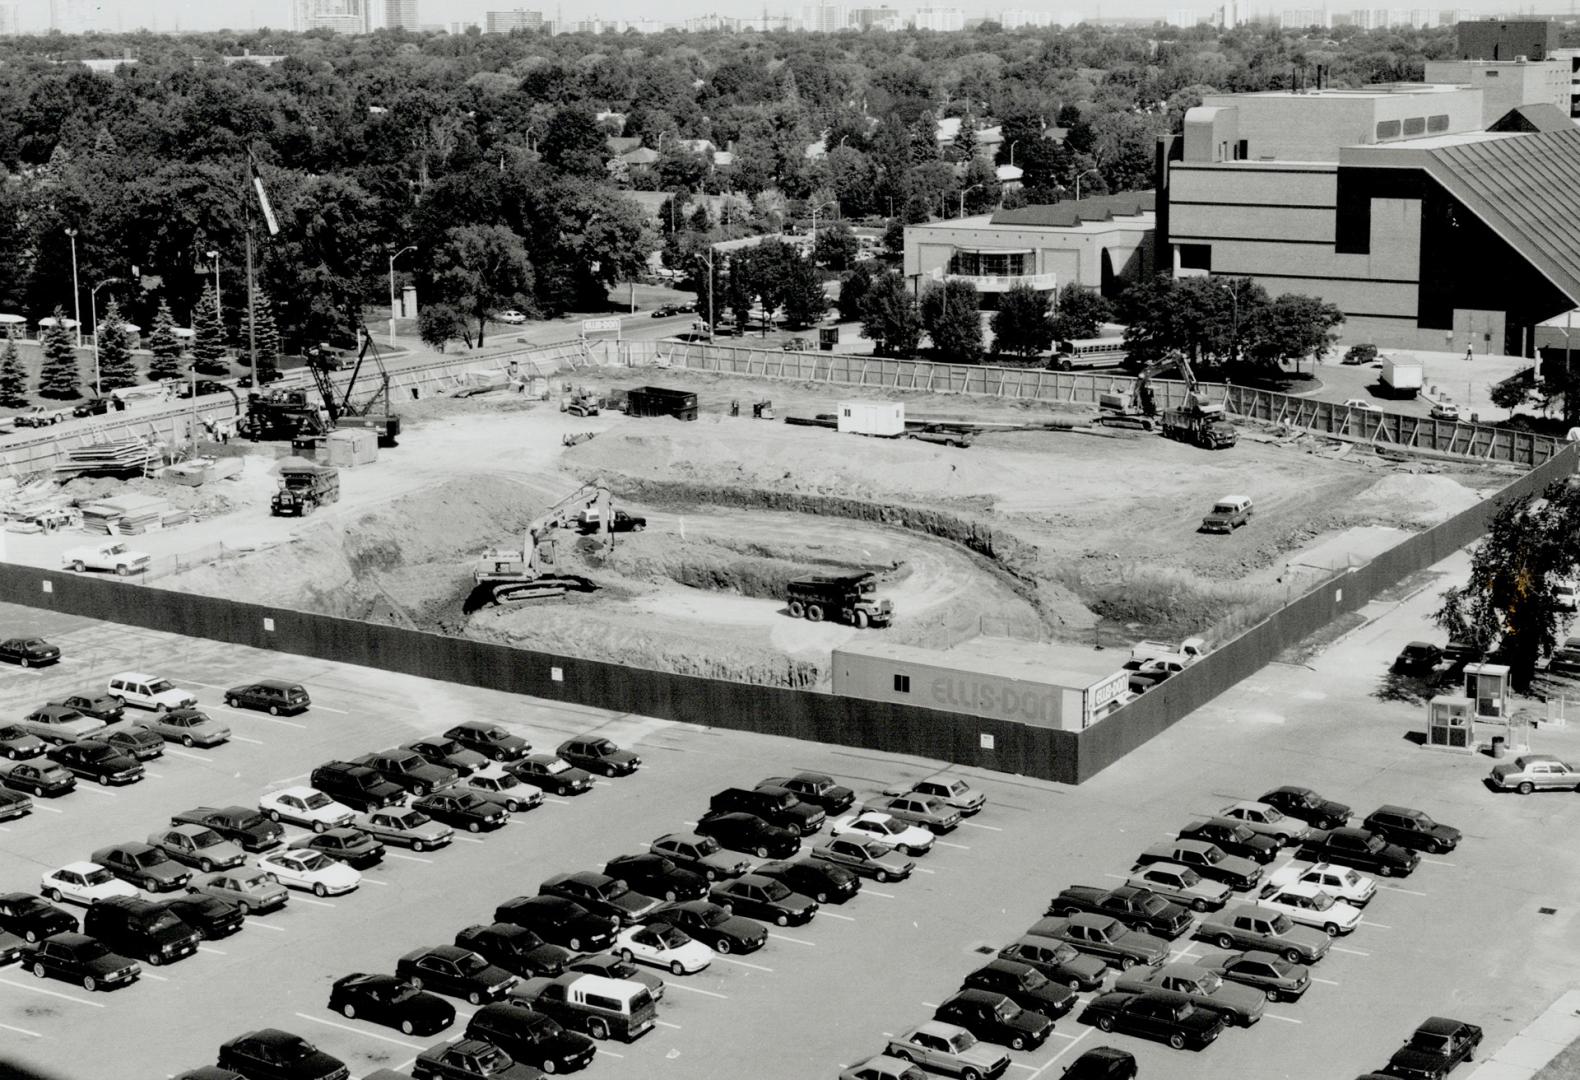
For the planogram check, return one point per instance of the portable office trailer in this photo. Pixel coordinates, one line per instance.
(885, 418)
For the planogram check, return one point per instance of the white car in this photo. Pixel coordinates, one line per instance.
(311, 871)
(1268, 821)
(1308, 905)
(114, 555)
(1361, 404)
(513, 317)
(1444, 410)
(148, 691)
(1564, 594)
(873, 825)
(83, 883)
(307, 807)
(501, 788)
(1339, 882)
(664, 946)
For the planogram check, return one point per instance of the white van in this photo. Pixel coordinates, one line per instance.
(148, 691)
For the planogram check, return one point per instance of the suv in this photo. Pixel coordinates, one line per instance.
(358, 786)
(140, 928)
(1411, 829)
(409, 770)
(1227, 514)
(775, 805)
(148, 691)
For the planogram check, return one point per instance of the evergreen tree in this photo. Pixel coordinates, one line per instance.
(889, 316)
(165, 346)
(950, 311)
(267, 334)
(116, 368)
(805, 302)
(966, 141)
(58, 376)
(13, 378)
(208, 336)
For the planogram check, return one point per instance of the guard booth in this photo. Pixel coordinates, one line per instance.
(1488, 686)
(1450, 723)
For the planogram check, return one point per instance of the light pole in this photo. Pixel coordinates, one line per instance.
(1082, 173)
(76, 290)
(712, 315)
(93, 311)
(963, 195)
(398, 254)
(219, 311)
(815, 209)
(1013, 143)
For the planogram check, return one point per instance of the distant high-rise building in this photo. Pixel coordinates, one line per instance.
(878, 18)
(8, 24)
(1299, 18)
(1016, 19)
(71, 16)
(941, 19)
(400, 15)
(340, 16)
(503, 22)
(1182, 17)
(823, 18)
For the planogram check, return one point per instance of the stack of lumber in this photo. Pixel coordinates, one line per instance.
(121, 457)
(126, 515)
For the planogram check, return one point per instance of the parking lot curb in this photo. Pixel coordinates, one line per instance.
(1537, 1044)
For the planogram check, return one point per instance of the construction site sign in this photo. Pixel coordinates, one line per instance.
(600, 326)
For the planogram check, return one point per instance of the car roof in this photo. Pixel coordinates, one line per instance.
(1250, 804)
(1390, 808)
(1440, 1025)
(1180, 968)
(449, 952)
(1539, 757)
(81, 867)
(938, 1028)
(602, 984)
(299, 790)
(134, 676)
(276, 684)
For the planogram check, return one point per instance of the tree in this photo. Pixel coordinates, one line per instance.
(266, 334)
(439, 324)
(116, 369)
(481, 270)
(836, 247)
(208, 336)
(853, 290)
(1021, 325)
(13, 378)
(166, 347)
(574, 143)
(1293, 327)
(889, 316)
(950, 312)
(1080, 312)
(805, 302)
(58, 376)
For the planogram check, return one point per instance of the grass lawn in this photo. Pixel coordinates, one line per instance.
(1566, 1066)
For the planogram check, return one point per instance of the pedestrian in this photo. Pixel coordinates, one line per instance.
(1468, 353)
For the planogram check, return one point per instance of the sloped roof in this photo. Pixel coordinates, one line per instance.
(1527, 188)
(621, 144)
(1064, 215)
(1542, 116)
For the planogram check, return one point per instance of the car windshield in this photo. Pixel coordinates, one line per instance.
(1321, 901)
(601, 748)
(962, 1040)
(1031, 978)
(1153, 904)
(11, 731)
(163, 921)
(1212, 855)
(444, 747)
(671, 938)
(707, 846)
(776, 890)
(257, 882)
(1431, 1043)
(1282, 925)
(1064, 953)
(412, 819)
(151, 857)
(885, 825)
(1008, 1010)
(249, 821)
(471, 963)
(91, 950)
(874, 850)
(98, 876)
(159, 686)
(1272, 815)
(315, 861)
(1209, 982)
(1375, 843)
(316, 801)
(715, 915)
(557, 766)
(614, 889)
(500, 783)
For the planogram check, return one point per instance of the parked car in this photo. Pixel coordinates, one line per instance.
(921, 810)
(515, 948)
(1525, 774)
(358, 786)
(462, 809)
(1228, 514)
(1239, 1005)
(819, 789)
(1206, 859)
(1105, 937)
(350, 846)
(84, 883)
(700, 854)
(1024, 985)
(512, 316)
(1274, 977)
(825, 882)
(995, 1018)
(210, 916)
(1411, 828)
(469, 1059)
(1265, 820)
(779, 807)
(1232, 838)
(26, 916)
(449, 969)
(409, 771)
(391, 1001)
(1444, 410)
(18, 744)
(762, 898)
(307, 807)
(310, 871)
(599, 755)
(716, 928)
(44, 779)
(272, 1054)
(152, 692)
(240, 824)
(614, 966)
(1149, 1016)
(909, 839)
(135, 741)
(602, 895)
(1058, 960)
(1419, 658)
(405, 827)
(502, 789)
(95, 759)
(490, 740)
(657, 876)
(1309, 905)
(662, 945)
(1360, 849)
(945, 1048)
(593, 1004)
(29, 651)
(883, 1067)
(14, 804)
(952, 790)
(560, 921)
(79, 959)
(531, 1038)
(39, 416)
(749, 833)
(445, 751)
(551, 773)
(1248, 926)
(1360, 404)
(1308, 806)
(1182, 885)
(57, 724)
(252, 891)
(99, 706)
(1434, 1049)
(1339, 882)
(1102, 1063)
(273, 696)
(1138, 908)
(138, 927)
(143, 865)
(188, 726)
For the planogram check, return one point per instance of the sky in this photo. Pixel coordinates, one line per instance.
(168, 15)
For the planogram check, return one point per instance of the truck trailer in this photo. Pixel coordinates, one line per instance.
(658, 401)
(1401, 378)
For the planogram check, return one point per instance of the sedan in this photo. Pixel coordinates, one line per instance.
(99, 706)
(18, 744)
(910, 839)
(945, 1048)
(272, 1054)
(923, 810)
(819, 789)
(239, 824)
(1058, 960)
(307, 807)
(552, 773)
(406, 827)
(462, 809)
(657, 876)
(1178, 1023)
(83, 883)
(512, 316)
(824, 882)
(602, 895)
(273, 696)
(447, 969)
(1308, 806)
(143, 865)
(599, 755)
(1232, 838)
(764, 898)
(350, 846)
(531, 1038)
(94, 759)
(1434, 1048)
(188, 726)
(995, 1018)
(1198, 985)
(135, 741)
(514, 948)
(665, 946)
(445, 751)
(699, 854)
(883, 1067)
(199, 846)
(1106, 937)
(1278, 979)
(502, 789)
(614, 966)
(43, 779)
(751, 834)
(1268, 821)
(55, 724)
(1182, 885)
(393, 1002)
(253, 891)
(560, 921)
(310, 871)
(29, 651)
(1024, 985)
(469, 1059)
(1525, 774)
(1339, 882)
(77, 958)
(14, 804)
(211, 917)
(716, 928)
(1309, 905)
(32, 919)
(490, 740)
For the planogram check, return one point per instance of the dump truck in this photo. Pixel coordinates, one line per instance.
(658, 401)
(847, 598)
(1201, 424)
(1401, 378)
(304, 487)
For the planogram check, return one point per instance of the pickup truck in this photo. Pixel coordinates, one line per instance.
(1186, 652)
(112, 555)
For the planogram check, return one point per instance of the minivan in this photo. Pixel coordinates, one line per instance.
(141, 928)
(148, 691)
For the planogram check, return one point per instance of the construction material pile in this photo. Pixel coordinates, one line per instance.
(130, 515)
(120, 457)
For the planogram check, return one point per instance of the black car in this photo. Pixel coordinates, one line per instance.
(409, 771)
(29, 651)
(357, 786)
(142, 928)
(1178, 1023)
(531, 1037)
(1308, 806)
(272, 1054)
(99, 706)
(514, 948)
(600, 755)
(1138, 908)
(559, 921)
(209, 1072)
(656, 876)
(1434, 1048)
(396, 1003)
(1024, 985)
(95, 406)
(19, 744)
(614, 966)
(490, 740)
(448, 752)
(819, 789)
(1058, 960)
(1233, 838)
(995, 1018)
(469, 1059)
(463, 810)
(14, 804)
(1359, 849)
(77, 958)
(1102, 1063)
(136, 742)
(824, 882)
(1417, 658)
(273, 696)
(143, 865)
(199, 388)
(716, 928)
(1413, 829)
(764, 898)
(210, 916)
(239, 824)
(449, 969)
(43, 779)
(551, 773)
(262, 377)
(351, 846)
(602, 895)
(32, 918)
(750, 834)
(95, 759)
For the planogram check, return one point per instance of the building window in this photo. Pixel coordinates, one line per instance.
(1437, 123)
(1195, 256)
(902, 684)
(988, 263)
(1415, 125)
(1242, 151)
(1387, 129)
(1491, 74)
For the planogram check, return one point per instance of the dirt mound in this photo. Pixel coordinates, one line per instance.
(1409, 501)
(202, 502)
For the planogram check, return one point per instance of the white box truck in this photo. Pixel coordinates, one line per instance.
(882, 418)
(1401, 378)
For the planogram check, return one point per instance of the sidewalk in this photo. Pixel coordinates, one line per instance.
(1541, 1041)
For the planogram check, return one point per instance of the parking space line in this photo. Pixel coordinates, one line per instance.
(1395, 888)
(243, 738)
(468, 839)
(406, 858)
(94, 791)
(875, 892)
(1063, 1035)
(360, 1031)
(946, 843)
(666, 1023)
(53, 993)
(726, 959)
(374, 881)
(194, 757)
(315, 903)
(1066, 1048)
(698, 990)
(836, 915)
(1352, 952)
(1285, 1019)
(267, 926)
(557, 802)
(929, 1004)
(1324, 982)
(923, 870)
(156, 978)
(1028, 1068)
(211, 949)
(974, 825)
(1378, 925)
(51, 809)
(22, 1031)
(1437, 862)
(289, 779)
(326, 708)
(156, 776)
(792, 940)
(610, 1053)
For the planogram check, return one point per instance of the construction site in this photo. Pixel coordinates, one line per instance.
(577, 514)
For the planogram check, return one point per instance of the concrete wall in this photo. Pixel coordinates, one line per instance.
(1506, 85)
(1312, 127)
(1491, 39)
(1075, 255)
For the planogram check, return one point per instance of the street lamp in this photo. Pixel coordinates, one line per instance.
(1082, 173)
(963, 195)
(76, 291)
(219, 311)
(93, 311)
(1013, 143)
(398, 254)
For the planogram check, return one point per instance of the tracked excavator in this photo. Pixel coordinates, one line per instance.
(509, 576)
(1201, 421)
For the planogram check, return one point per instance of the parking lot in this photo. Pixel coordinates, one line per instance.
(1465, 936)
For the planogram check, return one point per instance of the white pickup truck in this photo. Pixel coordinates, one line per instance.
(110, 555)
(1185, 652)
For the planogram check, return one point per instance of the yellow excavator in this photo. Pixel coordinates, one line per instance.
(509, 575)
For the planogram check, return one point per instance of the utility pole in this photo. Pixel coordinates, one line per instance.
(252, 314)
